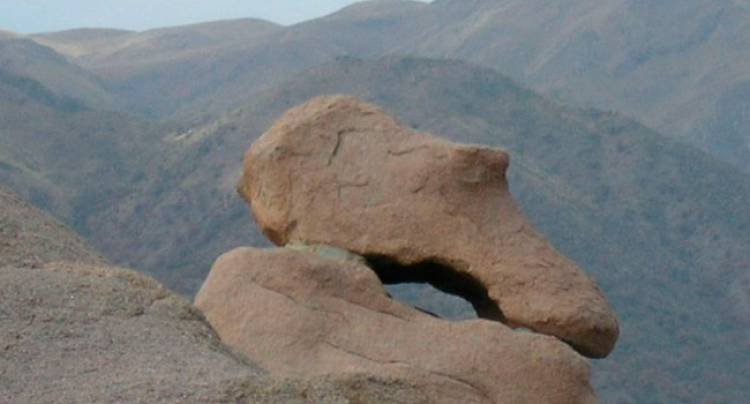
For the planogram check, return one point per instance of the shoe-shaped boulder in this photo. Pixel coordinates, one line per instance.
(341, 172)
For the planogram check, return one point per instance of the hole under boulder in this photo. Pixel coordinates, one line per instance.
(436, 288)
(426, 298)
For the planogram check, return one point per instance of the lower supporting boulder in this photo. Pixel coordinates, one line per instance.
(299, 314)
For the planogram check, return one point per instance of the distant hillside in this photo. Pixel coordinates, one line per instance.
(24, 57)
(106, 47)
(82, 42)
(371, 28)
(7, 34)
(65, 157)
(656, 222)
(682, 68)
(164, 71)
(196, 72)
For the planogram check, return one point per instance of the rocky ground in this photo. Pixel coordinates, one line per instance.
(28, 236)
(75, 330)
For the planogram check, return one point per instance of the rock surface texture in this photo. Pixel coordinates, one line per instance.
(30, 237)
(84, 333)
(298, 314)
(81, 333)
(77, 331)
(340, 172)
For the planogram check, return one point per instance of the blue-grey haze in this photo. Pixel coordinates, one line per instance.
(30, 16)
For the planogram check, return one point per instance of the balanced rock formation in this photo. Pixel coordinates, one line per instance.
(340, 172)
(299, 314)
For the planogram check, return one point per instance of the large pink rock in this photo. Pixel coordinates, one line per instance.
(340, 172)
(300, 315)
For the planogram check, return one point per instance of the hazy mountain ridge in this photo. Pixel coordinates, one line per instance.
(24, 57)
(666, 64)
(80, 42)
(99, 47)
(679, 69)
(7, 34)
(64, 156)
(190, 69)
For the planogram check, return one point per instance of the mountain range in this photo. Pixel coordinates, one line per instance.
(681, 70)
(136, 139)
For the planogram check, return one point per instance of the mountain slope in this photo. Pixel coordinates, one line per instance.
(371, 28)
(81, 42)
(656, 222)
(24, 57)
(196, 72)
(679, 67)
(7, 34)
(65, 157)
(176, 72)
(673, 65)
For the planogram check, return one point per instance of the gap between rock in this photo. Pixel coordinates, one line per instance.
(442, 277)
